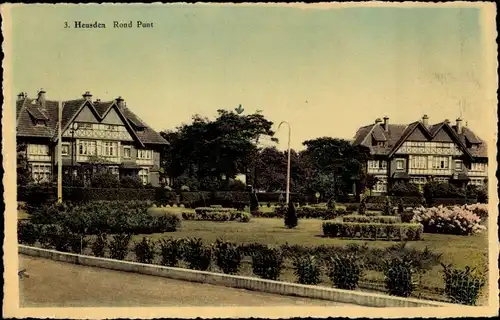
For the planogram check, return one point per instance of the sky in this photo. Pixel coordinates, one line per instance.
(327, 71)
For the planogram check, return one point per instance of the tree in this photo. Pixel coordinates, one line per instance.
(23, 170)
(224, 147)
(291, 219)
(337, 161)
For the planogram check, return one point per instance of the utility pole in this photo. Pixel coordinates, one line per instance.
(288, 162)
(59, 154)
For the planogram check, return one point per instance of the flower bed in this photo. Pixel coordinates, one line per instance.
(375, 231)
(372, 219)
(457, 220)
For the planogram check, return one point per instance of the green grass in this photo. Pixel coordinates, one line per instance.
(460, 251)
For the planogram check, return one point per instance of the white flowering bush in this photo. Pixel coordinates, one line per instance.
(458, 220)
(479, 209)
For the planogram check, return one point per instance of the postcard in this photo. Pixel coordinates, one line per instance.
(259, 160)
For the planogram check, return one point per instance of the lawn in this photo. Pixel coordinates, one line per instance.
(457, 250)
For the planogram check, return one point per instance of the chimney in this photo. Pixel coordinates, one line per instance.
(378, 120)
(41, 97)
(20, 96)
(425, 120)
(120, 102)
(386, 123)
(87, 96)
(459, 125)
(447, 121)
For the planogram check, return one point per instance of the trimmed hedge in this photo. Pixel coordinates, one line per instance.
(375, 231)
(372, 219)
(307, 212)
(216, 214)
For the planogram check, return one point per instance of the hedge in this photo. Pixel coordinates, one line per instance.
(375, 231)
(216, 214)
(451, 201)
(378, 202)
(372, 219)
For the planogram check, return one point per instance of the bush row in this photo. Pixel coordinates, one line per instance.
(344, 267)
(105, 217)
(306, 212)
(372, 219)
(375, 231)
(217, 215)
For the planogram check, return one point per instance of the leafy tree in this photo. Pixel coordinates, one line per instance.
(23, 170)
(338, 162)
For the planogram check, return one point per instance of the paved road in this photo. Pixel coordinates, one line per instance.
(59, 284)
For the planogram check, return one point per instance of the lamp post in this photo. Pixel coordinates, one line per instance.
(74, 127)
(288, 161)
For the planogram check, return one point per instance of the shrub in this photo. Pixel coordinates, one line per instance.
(171, 251)
(442, 190)
(267, 263)
(131, 182)
(376, 231)
(317, 212)
(228, 256)
(118, 246)
(99, 245)
(407, 216)
(399, 277)
(291, 220)
(39, 195)
(331, 204)
(420, 260)
(27, 233)
(345, 271)
(144, 250)
(387, 207)
(104, 180)
(479, 209)
(307, 270)
(372, 219)
(197, 255)
(362, 207)
(244, 217)
(279, 211)
(455, 220)
(462, 286)
(404, 189)
(482, 195)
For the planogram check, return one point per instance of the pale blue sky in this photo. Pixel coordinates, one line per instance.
(326, 71)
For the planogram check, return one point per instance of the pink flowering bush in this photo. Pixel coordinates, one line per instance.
(456, 220)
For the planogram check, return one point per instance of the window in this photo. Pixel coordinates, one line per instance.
(458, 164)
(381, 185)
(38, 149)
(87, 148)
(144, 175)
(110, 149)
(440, 163)
(65, 149)
(476, 166)
(441, 179)
(477, 182)
(41, 172)
(418, 180)
(126, 152)
(381, 143)
(418, 162)
(143, 154)
(400, 164)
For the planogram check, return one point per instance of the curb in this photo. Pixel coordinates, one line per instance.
(255, 284)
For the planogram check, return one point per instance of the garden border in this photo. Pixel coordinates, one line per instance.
(241, 282)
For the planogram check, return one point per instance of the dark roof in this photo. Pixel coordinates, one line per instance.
(28, 110)
(400, 175)
(398, 133)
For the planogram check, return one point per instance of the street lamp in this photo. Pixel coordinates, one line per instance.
(288, 161)
(74, 127)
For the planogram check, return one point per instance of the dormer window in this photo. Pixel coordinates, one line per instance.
(40, 123)
(381, 143)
